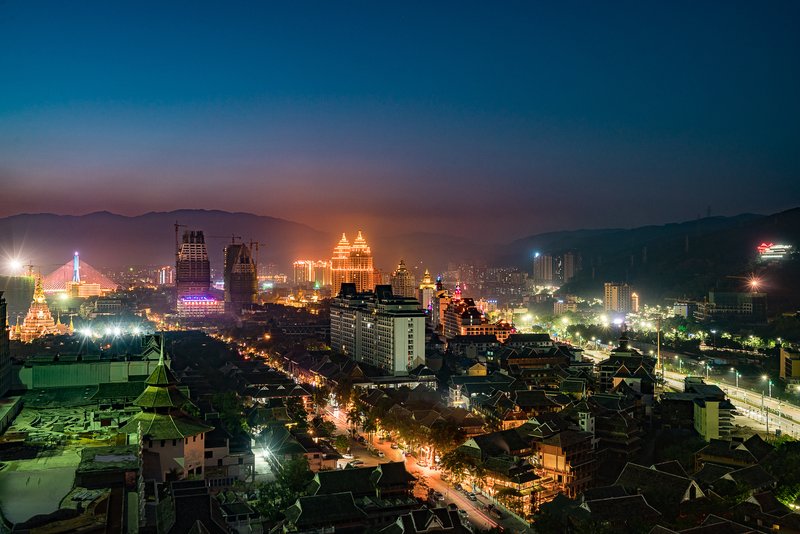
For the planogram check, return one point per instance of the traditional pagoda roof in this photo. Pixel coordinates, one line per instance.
(165, 426)
(162, 388)
(161, 403)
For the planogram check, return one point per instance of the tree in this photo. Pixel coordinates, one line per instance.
(290, 483)
(354, 418)
(297, 412)
(341, 443)
(231, 412)
(370, 425)
(321, 398)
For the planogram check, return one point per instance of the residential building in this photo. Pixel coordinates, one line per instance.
(748, 307)
(790, 364)
(617, 297)
(403, 283)
(380, 328)
(542, 269)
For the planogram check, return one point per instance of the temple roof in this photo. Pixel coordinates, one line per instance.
(164, 426)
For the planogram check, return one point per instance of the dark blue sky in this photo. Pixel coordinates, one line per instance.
(492, 119)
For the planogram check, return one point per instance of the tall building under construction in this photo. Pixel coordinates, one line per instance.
(241, 283)
(193, 271)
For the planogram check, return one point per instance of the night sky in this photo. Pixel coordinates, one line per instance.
(491, 120)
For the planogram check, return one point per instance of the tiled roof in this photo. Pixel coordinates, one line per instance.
(327, 509)
(164, 426)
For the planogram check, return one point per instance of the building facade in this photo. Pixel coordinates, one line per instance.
(381, 329)
(192, 268)
(617, 298)
(352, 263)
(241, 284)
(543, 269)
(403, 283)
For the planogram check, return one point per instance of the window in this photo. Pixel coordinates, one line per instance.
(163, 442)
(174, 442)
(219, 462)
(209, 454)
(194, 438)
(241, 461)
(199, 470)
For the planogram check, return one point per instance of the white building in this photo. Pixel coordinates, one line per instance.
(380, 329)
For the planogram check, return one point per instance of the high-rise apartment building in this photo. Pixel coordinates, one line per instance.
(310, 273)
(5, 354)
(352, 263)
(192, 268)
(378, 328)
(241, 285)
(403, 282)
(570, 266)
(617, 298)
(543, 269)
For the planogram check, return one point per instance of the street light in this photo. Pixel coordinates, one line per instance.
(736, 373)
(680, 365)
(769, 384)
(714, 337)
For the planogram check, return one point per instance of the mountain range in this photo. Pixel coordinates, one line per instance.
(666, 260)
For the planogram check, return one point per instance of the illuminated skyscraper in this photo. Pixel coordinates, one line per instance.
(353, 264)
(427, 290)
(193, 270)
(241, 286)
(403, 281)
(340, 264)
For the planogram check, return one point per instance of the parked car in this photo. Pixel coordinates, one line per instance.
(355, 463)
(459, 487)
(471, 496)
(381, 454)
(463, 513)
(438, 495)
(347, 456)
(496, 513)
(395, 446)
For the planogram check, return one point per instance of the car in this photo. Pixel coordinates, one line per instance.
(463, 513)
(395, 446)
(496, 513)
(459, 487)
(381, 454)
(408, 453)
(355, 463)
(438, 495)
(444, 477)
(422, 464)
(347, 456)
(471, 496)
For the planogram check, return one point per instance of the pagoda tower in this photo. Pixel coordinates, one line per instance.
(173, 442)
(39, 320)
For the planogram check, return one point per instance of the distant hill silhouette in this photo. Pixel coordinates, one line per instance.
(653, 258)
(108, 240)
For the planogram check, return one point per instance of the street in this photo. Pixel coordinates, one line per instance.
(427, 478)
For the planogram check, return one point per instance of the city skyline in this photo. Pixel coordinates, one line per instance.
(470, 128)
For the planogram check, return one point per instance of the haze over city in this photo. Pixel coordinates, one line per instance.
(459, 118)
(418, 268)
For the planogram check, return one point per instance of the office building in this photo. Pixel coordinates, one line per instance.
(403, 283)
(5, 354)
(192, 268)
(542, 269)
(570, 266)
(617, 298)
(381, 329)
(635, 302)
(353, 263)
(241, 286)
(165, 276)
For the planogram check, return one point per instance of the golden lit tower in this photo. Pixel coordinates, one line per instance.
(340, 264)
(362, 269)
(427, 290)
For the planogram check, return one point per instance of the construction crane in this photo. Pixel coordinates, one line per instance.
(177, 244)
(232, 236)
(256, 245)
